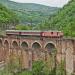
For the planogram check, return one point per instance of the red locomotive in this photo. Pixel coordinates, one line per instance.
(52, 34)
(35, 33)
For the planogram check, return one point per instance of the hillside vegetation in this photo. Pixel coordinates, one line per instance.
(30, 13)
(7, 18)
(64, 20)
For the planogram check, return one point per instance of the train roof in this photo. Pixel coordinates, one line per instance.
(32, 31)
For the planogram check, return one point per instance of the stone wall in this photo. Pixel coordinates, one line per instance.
(28, 50)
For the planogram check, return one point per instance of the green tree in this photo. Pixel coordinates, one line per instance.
(7, 18)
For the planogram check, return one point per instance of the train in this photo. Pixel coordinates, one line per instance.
(35, 33)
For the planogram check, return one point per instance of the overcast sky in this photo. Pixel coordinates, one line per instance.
(54, 3)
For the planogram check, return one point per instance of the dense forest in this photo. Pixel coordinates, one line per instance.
(8, 18)
(64, 20)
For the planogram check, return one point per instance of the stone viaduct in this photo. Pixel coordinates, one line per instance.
(32, 48)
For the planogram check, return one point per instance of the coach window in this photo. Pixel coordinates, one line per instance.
(51, 32)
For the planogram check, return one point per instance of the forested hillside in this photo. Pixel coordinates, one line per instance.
(29, 12)
(7, 18)
(64, 20)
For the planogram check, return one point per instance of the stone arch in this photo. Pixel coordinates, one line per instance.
(50, 46)
(36, 45)
(51, 50)
(24, 45)
(6, 50)
(15, 59)
(0, 43)
(50, 56)
(36, 52)
(25, 55)
(14, 44)
(51, 42)
(6, 44)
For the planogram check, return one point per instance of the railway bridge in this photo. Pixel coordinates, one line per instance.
(29, 46)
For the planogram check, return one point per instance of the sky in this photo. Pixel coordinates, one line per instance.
(53, 3)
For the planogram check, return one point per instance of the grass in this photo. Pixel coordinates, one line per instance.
(24, 73)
